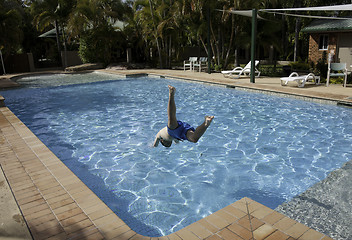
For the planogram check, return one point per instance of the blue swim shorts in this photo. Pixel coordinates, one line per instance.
(180, 133)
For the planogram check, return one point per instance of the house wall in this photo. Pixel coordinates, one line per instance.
(315, 54)
(345, 49)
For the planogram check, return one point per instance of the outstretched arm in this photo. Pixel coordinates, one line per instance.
(156, 141)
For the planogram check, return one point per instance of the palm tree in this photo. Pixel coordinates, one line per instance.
(92, 22)
(145, 17)
(10, 26)
(53, 13)
(155, 32)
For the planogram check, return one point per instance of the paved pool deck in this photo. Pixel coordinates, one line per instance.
(43, 199)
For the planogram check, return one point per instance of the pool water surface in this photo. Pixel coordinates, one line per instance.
(264, 147)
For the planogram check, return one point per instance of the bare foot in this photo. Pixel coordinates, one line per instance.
(172, 90)
(208, 120)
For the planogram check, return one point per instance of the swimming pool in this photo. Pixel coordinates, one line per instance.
(263, 147)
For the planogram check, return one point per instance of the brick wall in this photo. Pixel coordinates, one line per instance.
(314, 53)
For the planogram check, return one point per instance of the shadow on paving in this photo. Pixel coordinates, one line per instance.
(325, 207)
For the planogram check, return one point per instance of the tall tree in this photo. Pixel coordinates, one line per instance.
(155, 32)
(53, 13)
(10, 26)
(92, 22)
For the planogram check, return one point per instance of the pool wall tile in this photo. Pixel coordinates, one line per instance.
(273, 217)
(241, 205)
(199, 230)
(250, 222)
(216, 221)
(140, 237)
(311, 234)
(234, 211)
(226, 234)
(240, 231)
(284, 223)
(174, 236)
(326, 238)
(297, 230)
(263, 231)
(185, 233)
(210, 227)
(225, 216)
(160, 238)
(215, 237)
(277, 235)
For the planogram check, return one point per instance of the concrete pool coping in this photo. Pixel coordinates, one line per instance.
(55, 203)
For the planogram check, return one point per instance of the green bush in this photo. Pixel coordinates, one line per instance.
(217, 68)
(336, 80)
(321, 68)
(87, 50)
(96, 45)
(271, 70)
(300, 65)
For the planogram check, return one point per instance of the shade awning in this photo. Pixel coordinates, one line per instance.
(245, 13)
(49, 34)
(344, 7)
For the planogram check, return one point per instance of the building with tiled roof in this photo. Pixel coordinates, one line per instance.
(330, 35)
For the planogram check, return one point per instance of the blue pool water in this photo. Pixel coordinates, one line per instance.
(264, 147)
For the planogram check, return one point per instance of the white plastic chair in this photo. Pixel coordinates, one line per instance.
(190, 63)
(337, 70)
(301, 80)
(238, 71)
(201, 63)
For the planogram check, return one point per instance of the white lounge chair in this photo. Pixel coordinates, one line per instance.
(238, 71)
(190, 63)
(337, 70)
(301, 80)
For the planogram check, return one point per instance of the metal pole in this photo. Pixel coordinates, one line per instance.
(208, 40)
(2, 61)
(253, 43)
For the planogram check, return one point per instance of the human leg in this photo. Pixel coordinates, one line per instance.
(171, 109)
(193, 136)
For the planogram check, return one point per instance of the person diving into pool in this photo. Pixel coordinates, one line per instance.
(177, 130)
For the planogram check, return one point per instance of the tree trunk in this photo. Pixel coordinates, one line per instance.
(297, 3)
(58, 41)
(297, 29)
(214, 46)
(231, 40)
(65, 48)
(203, 43)
(156, 34)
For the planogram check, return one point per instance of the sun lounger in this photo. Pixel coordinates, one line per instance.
(238, 71)
(301, 80)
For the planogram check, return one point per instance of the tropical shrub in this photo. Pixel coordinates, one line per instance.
(96, 45)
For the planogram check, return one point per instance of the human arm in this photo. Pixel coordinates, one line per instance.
(157, 140)
(160, 135)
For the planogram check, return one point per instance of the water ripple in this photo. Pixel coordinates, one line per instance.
(264, 147)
